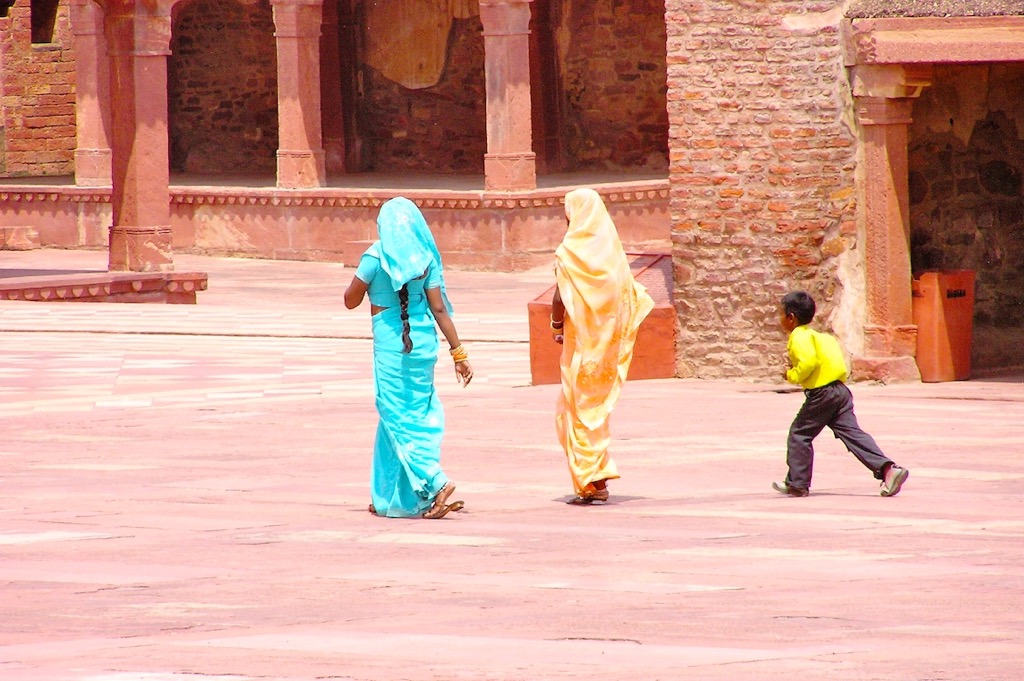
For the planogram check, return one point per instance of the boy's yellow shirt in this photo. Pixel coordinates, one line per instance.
(816, 358)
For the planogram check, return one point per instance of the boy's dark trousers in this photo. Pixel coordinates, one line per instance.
(830, 405)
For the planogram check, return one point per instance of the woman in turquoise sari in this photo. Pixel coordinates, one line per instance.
(403, 276)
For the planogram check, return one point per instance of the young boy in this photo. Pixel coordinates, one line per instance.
(818, 365)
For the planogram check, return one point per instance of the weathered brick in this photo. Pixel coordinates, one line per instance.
(39, 133)
(778, 143)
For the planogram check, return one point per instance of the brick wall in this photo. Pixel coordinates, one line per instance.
(966, 212)
(440, 129)
(222, 100)
(37, 96)
(762, 171)
(222, 88)
(613, 84)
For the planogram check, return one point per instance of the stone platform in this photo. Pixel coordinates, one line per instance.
(103, 287)
(183, 495)
(654, 355)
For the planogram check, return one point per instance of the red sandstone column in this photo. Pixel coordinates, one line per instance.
(509, 163)
(92, 96)
(883, 100)
(330, 91)
(300, 155)
(890, 335)
(138, 35)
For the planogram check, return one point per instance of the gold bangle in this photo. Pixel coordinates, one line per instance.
(557, 326)
(459, 354)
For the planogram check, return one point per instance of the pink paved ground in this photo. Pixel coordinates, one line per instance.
(183, 494)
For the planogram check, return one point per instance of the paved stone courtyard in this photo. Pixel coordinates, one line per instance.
(183, 496)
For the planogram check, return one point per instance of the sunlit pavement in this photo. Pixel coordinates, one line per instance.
(183, 495)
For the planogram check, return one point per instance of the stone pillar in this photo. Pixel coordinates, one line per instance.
(333, 120)
(92, 96)
(883, 102)
(138, 36)
(300, 154)
(509, 164)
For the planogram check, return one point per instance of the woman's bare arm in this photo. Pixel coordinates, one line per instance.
(463, 369)
(557, 317)
(557, 307)
(355, 292)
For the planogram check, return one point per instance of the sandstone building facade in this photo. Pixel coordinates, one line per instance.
(841, 147)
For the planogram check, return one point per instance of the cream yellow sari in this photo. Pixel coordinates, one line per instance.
(604, 306)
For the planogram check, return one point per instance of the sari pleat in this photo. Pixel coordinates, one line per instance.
(406, 473)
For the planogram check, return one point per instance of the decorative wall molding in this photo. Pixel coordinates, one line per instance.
(613, 193)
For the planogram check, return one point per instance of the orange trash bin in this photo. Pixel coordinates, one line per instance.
(943, 310)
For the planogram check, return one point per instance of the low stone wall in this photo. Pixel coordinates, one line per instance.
(475, 230)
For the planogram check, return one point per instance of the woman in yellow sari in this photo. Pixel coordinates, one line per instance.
(595, 313)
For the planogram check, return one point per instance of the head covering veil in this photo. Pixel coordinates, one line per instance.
(604, 304)
(407, 247)
(591, 254)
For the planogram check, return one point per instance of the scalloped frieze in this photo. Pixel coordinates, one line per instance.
(467, 201)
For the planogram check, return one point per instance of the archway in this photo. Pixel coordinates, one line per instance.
(893, 61)
(222, 88)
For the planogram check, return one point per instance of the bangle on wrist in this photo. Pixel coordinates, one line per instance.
(556, 325)
(459, 354)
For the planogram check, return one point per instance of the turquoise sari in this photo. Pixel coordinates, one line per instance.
(406, 473)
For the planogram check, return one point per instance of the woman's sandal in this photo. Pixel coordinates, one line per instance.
(440, 507)
(588, 498)
(443, 511)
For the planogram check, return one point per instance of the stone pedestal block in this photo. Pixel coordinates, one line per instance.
(19, 238)
(654, 355)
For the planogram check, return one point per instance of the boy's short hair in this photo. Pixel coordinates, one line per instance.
(800, 304)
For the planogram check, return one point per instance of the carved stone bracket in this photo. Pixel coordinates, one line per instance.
(892, 81)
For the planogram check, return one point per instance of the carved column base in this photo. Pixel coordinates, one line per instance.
(92, 167)
(300, 169)
(140, 249)
(885, 369)
(510, 172)
(888, 354)
(896, 341)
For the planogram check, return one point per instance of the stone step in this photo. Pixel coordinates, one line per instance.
(107, 287)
